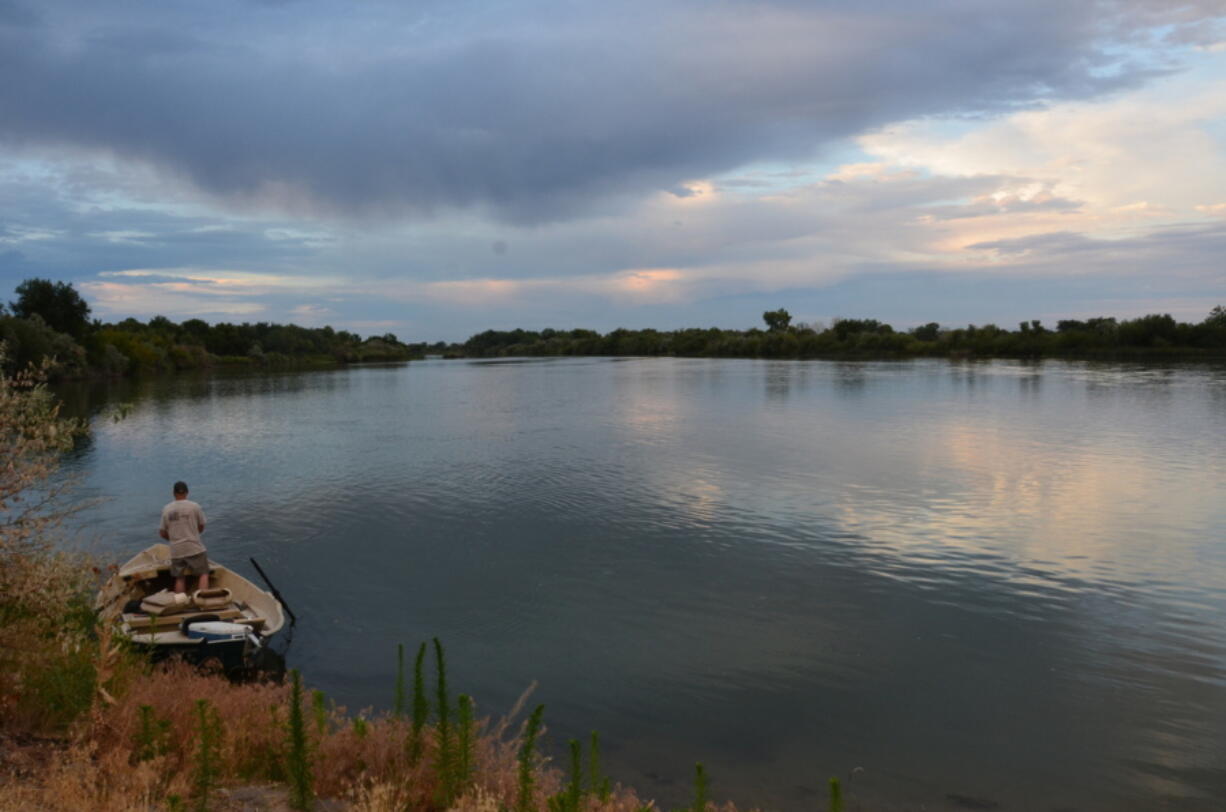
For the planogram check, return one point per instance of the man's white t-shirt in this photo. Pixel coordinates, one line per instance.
(182, 520)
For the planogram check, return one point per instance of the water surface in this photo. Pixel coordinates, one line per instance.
(952, 584)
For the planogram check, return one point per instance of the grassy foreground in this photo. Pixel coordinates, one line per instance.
(90, 724)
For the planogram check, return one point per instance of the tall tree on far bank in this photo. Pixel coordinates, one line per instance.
(57, 303)
(777, 320)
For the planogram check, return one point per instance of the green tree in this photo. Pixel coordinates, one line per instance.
(777, 320)
(58, 303)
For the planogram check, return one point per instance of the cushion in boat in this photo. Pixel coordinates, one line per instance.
(164, 603)
(215, 598)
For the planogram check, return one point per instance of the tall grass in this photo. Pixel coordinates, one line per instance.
(598, 784)
(527, 762)
(208, 749)
(700, 789)
(298, 758)
(445, 756)
(421, 705)
(465, 730)
(836, 796)
(571, 797)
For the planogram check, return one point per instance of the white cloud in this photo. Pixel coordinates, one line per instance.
(1151, 150)
(112, 299)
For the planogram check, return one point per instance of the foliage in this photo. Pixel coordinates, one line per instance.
(299, 757)
(598, 784)
(527, 762)
(700, 789)
(777, 320)
(445, 756)
(45, 620)
(465, 730)
(58, 303)
(1144, 337)
(30, 340)
(50, 319)
(153, 737)
(421, 705)
(208, 747)
(319, 710)
(570, 798)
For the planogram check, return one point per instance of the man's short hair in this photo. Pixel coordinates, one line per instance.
(180, 487)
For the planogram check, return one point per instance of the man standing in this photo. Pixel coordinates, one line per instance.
(182, 524)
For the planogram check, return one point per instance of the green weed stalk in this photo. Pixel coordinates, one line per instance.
(319, 710)
(421, 705)
(571, 797)
(445, 757)
(153, 735)
(299, 758)
(700, 788)
(597, 783)
(527, 758)
(836, 796)
(208, 751)
(464, 744)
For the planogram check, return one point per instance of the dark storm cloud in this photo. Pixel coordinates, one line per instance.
(532, 109)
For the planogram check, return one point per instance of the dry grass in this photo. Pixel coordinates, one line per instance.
(363, 767)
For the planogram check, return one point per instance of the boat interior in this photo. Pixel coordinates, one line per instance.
(139, 599)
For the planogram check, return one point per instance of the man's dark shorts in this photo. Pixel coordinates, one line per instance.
(192, 565)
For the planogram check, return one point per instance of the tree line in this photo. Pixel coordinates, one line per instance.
(1144, 337)
(50, 319)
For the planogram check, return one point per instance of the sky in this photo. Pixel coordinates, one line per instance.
(435, 168)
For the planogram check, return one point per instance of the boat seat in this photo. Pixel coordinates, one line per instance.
(164, 602)
(215, 598)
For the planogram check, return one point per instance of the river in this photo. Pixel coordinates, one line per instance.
(956, 585)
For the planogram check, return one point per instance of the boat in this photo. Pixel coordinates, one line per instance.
(230, 623)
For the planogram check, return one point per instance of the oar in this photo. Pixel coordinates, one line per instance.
(275, 593)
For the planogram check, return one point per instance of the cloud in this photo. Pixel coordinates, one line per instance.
(158, 299)
(441, 168)
(536, 111)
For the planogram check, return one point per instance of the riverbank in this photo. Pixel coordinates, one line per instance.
(91, 724)
(1148, 338)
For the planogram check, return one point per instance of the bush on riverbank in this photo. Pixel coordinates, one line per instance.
(38, 327)
(45, 673)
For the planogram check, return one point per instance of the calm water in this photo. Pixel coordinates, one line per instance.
(956, 584)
